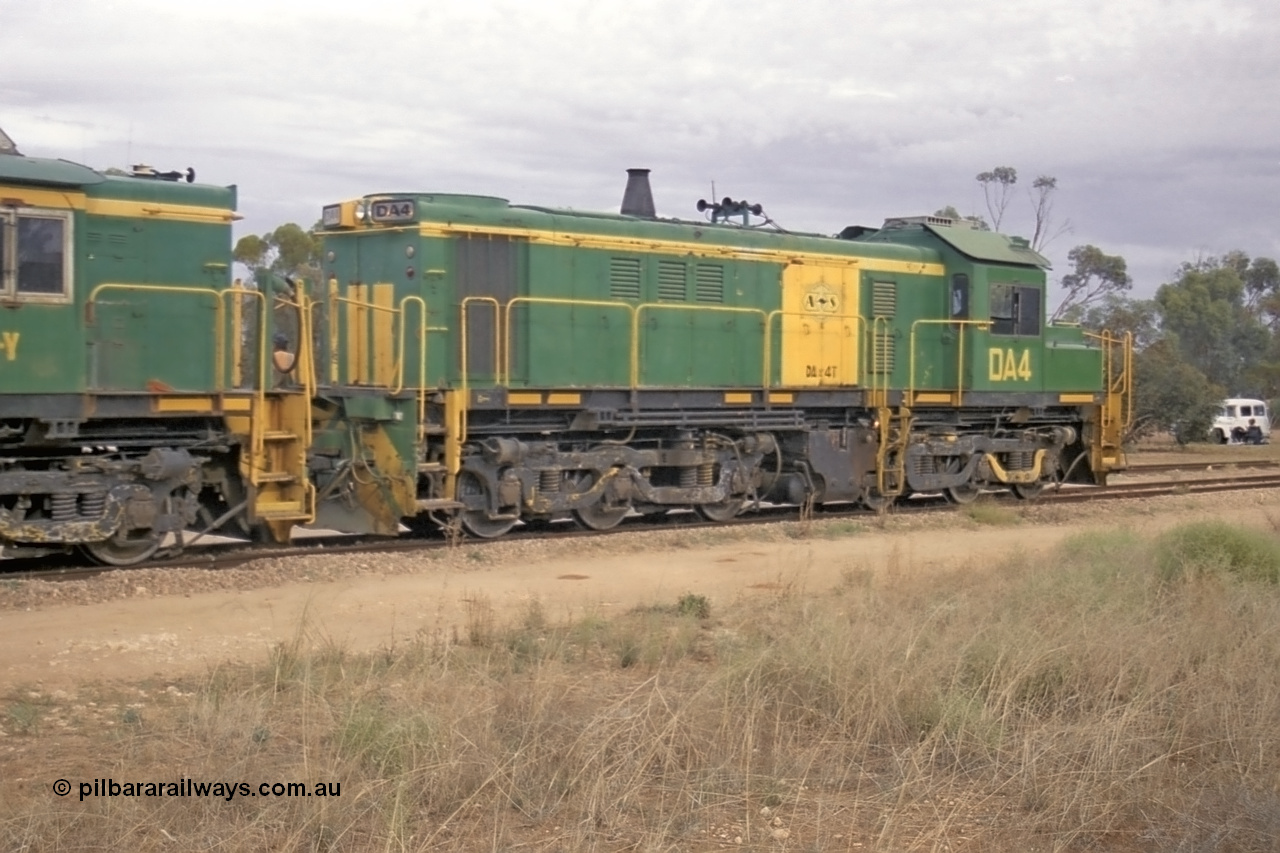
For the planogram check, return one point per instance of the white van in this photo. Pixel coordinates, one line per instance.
(1234, 419)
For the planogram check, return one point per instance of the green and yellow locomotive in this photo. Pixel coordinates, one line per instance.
(593, 365)
(467, 361)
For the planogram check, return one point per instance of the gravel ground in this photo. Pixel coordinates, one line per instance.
(22, 594)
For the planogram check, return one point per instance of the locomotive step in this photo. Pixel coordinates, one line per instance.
(275, 477)
(281, 511)
(283, 515)
(279, 435)
(431, 467)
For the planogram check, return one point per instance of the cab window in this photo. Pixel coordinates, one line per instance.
(959, 296)
(34, 249)
(1015, 310)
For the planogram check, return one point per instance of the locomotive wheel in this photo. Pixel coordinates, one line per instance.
(596, 516)
(725, 510)
(600, 517)
(965, 494)
(128, 551)
(477, 521)
(1028, 491)
(876, 503)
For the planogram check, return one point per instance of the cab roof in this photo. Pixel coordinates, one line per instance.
(17, 169)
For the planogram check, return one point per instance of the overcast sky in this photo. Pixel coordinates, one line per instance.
(1159, 118)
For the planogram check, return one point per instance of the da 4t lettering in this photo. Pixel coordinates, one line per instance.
(1007, 365)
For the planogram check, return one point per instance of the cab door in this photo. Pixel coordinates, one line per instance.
(40, 337)
(819, 325)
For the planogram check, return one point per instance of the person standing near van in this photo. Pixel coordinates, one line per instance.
(1253, 435)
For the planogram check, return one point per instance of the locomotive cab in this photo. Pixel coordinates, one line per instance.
(115, 373)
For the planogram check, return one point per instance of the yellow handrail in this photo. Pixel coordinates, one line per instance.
(674, 306)
(1128, 371)
(422, 344)
(235, 291)
(1118, 383)
(336, 347)
(504, 377)
(497, 334)
(306, 356)
(879, 376)
(362, 304)
(860, 323)
(423, 328)
(911, 377)
(219, 343)
(462, 360)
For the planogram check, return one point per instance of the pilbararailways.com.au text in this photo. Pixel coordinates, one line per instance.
(191, 788)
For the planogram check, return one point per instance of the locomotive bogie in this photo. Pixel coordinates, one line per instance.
(600, 484)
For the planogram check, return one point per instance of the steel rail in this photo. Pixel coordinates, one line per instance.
(233, 555)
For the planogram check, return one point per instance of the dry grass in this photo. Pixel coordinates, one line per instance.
(1096, 701)
(991, 512)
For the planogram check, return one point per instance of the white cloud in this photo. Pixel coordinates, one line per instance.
(1155, 116)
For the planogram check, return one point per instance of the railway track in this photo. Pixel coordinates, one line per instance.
(1203, 466)
(236, 554)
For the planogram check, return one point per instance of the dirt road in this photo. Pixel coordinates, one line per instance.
(141, 632)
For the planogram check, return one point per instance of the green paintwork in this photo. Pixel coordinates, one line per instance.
(37, 171)
(129, 339)
(556, 254)
(988, 246)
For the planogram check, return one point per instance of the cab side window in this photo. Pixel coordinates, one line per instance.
(959, 296)
(1015, 310)
(34, 246)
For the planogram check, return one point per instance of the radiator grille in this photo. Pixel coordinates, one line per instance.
(884, 298)
(624, 278)
(672, 286)
(709, 283)
(884, 354)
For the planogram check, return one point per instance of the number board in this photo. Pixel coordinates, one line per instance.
(393, 210)
(331, 215)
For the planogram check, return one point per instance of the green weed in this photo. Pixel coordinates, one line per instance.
(991, 513)
(1205, 548)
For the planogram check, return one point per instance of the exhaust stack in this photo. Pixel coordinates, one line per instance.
(637, 200)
